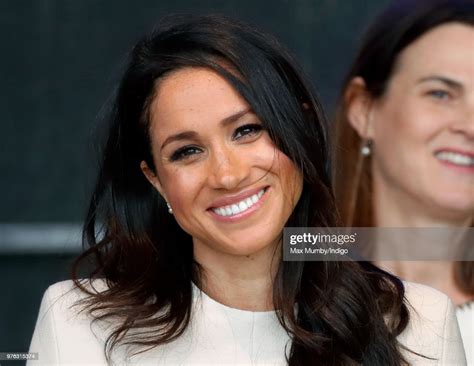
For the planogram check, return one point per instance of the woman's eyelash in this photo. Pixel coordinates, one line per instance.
(246, 130)
(184, 152)
(439, 94)
(187, 151)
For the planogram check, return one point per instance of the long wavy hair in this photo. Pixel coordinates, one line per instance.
(399, 25)
(147, 259)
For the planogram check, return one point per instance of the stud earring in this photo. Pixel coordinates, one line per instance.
(170, 210)
(366, 149)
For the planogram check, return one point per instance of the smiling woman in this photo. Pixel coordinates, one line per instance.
(215, 143)
(404, 141)
(228, 185)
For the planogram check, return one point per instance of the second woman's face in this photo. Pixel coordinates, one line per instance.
(228, 185)
(423, 127)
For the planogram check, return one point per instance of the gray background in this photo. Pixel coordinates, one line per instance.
(60, 61)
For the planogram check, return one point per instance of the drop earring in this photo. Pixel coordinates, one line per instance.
(170, 210)
(366, 148)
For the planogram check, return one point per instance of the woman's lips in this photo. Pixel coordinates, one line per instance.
(233, 198)
(462, 161)
(240, 206)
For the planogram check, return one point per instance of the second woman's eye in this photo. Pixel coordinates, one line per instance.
(439, 94)
(247, 130)
(185, 152)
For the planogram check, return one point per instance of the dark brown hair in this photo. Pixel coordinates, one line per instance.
(398, 26)
(147, 259)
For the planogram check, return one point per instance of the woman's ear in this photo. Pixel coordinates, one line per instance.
(359, 108)
(152, 178)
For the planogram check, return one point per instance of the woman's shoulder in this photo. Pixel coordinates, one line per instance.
(465, 315)
(62, 324)
(426, 300)
(63, 302)
(433, 329)
(64, 298)
(67, 292)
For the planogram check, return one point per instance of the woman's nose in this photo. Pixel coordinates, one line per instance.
(228, 168)
(465, 121)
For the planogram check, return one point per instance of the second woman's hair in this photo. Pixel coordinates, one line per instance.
(398, 26)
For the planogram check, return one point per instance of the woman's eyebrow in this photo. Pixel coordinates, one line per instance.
(235, 116)
(188, 135)
(443, 79)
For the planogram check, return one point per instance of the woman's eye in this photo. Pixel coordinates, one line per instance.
(439, 94)
(185, 152)
(247, 130)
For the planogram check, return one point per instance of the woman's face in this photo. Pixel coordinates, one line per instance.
(423, 127)
(228, 185)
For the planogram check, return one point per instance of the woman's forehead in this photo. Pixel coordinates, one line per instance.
(437, 52)
(193, 97)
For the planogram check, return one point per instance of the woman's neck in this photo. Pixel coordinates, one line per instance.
(242, 282)
(436, 274)
(394, 208)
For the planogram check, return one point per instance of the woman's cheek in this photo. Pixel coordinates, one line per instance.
(181, 186)
(293, 184)
(265, 153)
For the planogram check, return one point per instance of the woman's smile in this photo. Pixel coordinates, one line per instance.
(458, 160)
(240, 206)
(425, 119)
(229, 187)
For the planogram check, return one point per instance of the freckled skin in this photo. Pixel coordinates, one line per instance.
(197, 99)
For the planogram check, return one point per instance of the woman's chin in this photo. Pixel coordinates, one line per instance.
(456, 208)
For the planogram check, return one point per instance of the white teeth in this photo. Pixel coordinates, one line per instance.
(455, 158)
(248, 202)
(235, 209)
(242, 206)
(239, 207)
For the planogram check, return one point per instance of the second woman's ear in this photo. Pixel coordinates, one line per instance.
(359, 107)
(152, 178)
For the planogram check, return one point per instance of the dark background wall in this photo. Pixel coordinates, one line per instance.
(60, 60)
